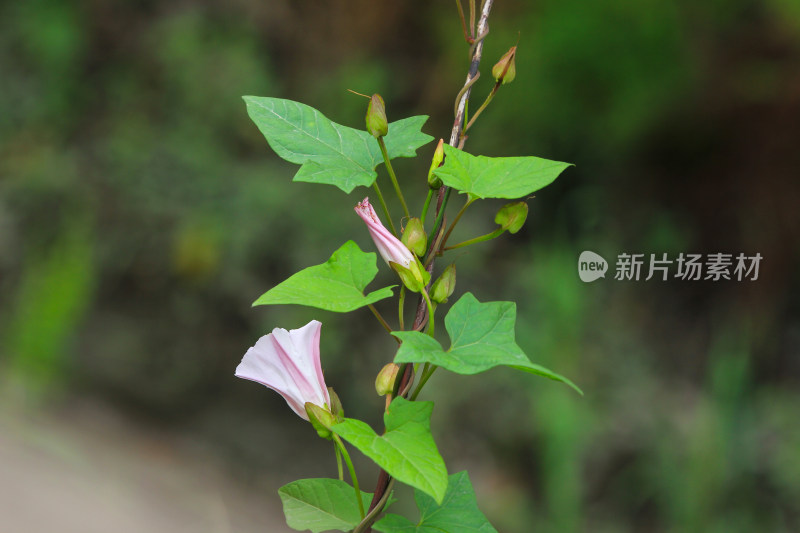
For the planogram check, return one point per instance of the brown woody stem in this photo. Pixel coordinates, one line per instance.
(456, 140)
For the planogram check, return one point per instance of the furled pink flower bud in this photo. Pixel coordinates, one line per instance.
(288, 363)
(389, 246)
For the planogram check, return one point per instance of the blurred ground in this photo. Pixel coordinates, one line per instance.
(85, 469)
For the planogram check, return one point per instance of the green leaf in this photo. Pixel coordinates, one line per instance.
(457, 513)
(481, 337)
(407, 450)
(329, 152)
(497, 177)
(321, 505)
(336, 285)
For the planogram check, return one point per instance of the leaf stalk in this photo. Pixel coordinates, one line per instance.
(482, 238)
(352, 470)
(385, 208)
(393, 176)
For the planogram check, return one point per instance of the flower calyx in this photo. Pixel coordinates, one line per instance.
(434, 181)
(415, 277)
(505, 70)
(384, 382)
(377, 125)
(444, 285)
(322, 420)
(414, 237)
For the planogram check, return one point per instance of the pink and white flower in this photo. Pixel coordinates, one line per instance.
(288, 363)
(389, 246)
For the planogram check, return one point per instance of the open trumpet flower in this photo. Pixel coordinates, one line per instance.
(288, 363)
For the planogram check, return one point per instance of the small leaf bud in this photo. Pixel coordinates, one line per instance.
(505, 70)
(336, 405)
(512, 216)
(321, 419)
(414, 237)
(443, 287)
(384, 383)
(434, 181)
(377, 126)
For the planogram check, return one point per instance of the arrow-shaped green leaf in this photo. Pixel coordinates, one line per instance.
(458, 512)
(336, 285)
(497, 177)
(481, 337)
(329, 152)
(407, 450)
(321, 505)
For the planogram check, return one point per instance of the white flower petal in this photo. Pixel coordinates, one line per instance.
(288, 362)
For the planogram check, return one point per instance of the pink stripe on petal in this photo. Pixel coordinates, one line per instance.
(390, 247)
(309, 335)
(295, 365)
(288, 362)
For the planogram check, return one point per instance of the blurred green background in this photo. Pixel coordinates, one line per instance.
(141, 213)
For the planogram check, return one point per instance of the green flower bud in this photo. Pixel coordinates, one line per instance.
(443, 287)
(384, 383)
(336, 405)
(415, 277)
(512, 216)
(504, 71)
(321, 419)
(377, 126)
(434, 181)
(414, 237)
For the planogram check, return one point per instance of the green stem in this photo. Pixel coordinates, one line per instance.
(339, 462)
(380, 318)
(437, 224)
(435, 249)
(463, 90)
(483, 106)
(463, 22)
(430, 312)
(392, 175)
(427, 204)
(426, 375)
(385, 209)
(487, 237)
(352, 470)
(425, 369)
(370, 518)
(470, 199)
(401, 305)
(472, 18)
